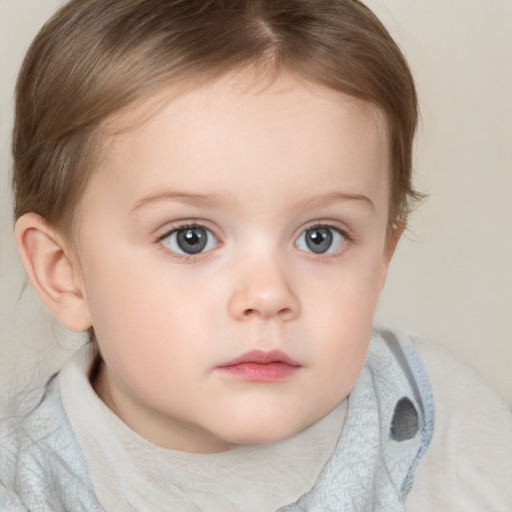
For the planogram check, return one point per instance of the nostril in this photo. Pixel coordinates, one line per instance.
(285, 312)
(264, 306)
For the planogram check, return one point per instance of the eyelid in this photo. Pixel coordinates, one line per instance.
(347, 239)
(326, 224)
(181, 225)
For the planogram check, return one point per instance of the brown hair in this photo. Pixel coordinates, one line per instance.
(96, 57)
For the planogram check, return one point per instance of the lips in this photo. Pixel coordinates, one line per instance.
(261, 366)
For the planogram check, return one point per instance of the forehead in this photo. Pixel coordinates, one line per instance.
(237, 132)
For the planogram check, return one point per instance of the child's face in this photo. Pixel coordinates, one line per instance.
(236, 219)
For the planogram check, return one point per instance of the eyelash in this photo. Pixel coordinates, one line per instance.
(321, 257)
(187, 258)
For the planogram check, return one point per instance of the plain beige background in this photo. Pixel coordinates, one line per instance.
(451, 279)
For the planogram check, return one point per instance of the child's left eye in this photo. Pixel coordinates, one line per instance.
(321, 240)
(190, 240)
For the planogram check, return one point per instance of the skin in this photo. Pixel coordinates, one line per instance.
(257, 167)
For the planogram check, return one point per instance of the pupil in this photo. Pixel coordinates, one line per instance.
(192, 240)
(319, 240)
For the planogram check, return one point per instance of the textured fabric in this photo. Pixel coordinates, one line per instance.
(468, 466)
(41, 466)
(370, 469)
(387, 430)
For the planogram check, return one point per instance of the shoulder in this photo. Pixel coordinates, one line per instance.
(41, 466)
(468, 465)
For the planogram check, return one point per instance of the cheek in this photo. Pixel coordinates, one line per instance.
(346, 330)
(345, 297)
(131, 311)
(340, 320)
(150, 322)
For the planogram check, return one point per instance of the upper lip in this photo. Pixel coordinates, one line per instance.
(262, 357)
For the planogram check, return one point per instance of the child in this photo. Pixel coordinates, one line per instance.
(214, 190)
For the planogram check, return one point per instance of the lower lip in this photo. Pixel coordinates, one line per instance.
(257, 372)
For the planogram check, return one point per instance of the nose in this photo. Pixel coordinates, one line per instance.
(262, 290)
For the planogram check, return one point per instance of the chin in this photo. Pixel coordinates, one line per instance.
(264, 432)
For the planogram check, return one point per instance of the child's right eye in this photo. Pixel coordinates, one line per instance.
(190, 240)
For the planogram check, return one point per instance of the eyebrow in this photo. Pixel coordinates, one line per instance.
(178, 196)
(332, 197)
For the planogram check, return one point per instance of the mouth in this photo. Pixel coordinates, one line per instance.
(261, 366)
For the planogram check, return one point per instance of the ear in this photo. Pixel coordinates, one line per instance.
(52, 270)
(393, 235)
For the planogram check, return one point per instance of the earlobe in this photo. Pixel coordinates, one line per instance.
(50, 268)
(393, 236)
